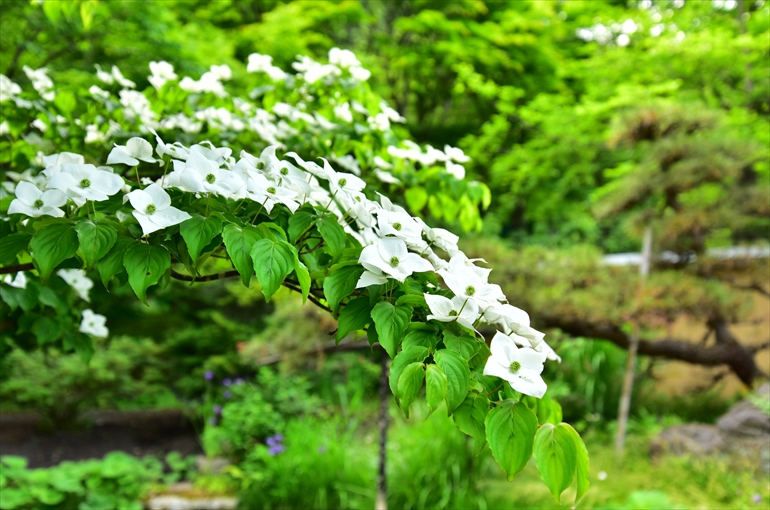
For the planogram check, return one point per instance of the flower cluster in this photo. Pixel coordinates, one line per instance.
(396, 244)
(281, 111)
(275, 444)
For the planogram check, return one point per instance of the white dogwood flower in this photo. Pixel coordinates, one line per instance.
(390, 256)
(33, 202)
(153, 209)
(135, 149)
(457, 309)
(521, 367)
(77, 279)
(85, 182)
(94, 324)
(19, 281)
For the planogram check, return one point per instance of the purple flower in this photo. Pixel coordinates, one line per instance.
(217, 409)
(209, 375)
(227, 394)
(238, 381)
(756, 498)
(322, 449)
(227, 382)
(213, 421)
(274, 450)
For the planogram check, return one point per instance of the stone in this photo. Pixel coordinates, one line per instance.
(746, 420)
(693, 438)
(210, 466)
(171, 502)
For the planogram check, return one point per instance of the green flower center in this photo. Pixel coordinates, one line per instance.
(260, 165)
(84, 183)
(397, 226)
(342, 182)
(453, 313)
(394, 261)
(515, 366)
(470, 290)
(358, 199)
(150, 209)
(271, 190)
(211, 178)
(38, 203)
(284, 171)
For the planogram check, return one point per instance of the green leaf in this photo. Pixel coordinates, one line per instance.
(145, 264)
(391, 322)
(65, 101)
(198, 232)
(341, 283)
(303, 275)
(354, 316)
(239, 241)
(419, 333)
(299, 223)
(465, 346)
(582, 462)
(546, 409)
(11, 498)
(435, 386)
(404, 358)
(470, 415)
(46, 330)
(53, 245)
(273, 261)
(409, 384)
(112, 263)
(81, 343)
(458, 377)
(333, 234)
(12, 245)
(510, 430)
(415, 301)
(556, 458)
(95, 241)
(416, 198)
(52, 11)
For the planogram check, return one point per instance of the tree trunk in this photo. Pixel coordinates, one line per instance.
(382, 482)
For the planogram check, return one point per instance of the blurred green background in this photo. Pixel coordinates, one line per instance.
(589, 120)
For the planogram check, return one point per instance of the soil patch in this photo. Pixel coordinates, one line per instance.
(140, 433)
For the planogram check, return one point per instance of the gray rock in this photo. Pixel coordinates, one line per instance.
(694, 438)
(745, 420)
(170, 502)
(210, 466)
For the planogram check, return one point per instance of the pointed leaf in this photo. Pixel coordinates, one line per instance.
(404, 358)
(303, 275)
(470, 415)
(300, 222)
(145, 264)
(391, 322)
(95, 241)
(582, 462)
(419, 333)
(510, 430)
(53, 245)
(556, 458)
(273, 261)
(409, 384)
(239, 241)
(341, 283)
(435, 386)
(458, 377)
(356, 315)
(112, 263)
(333, 234)
(11, 246)
(198, 232)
